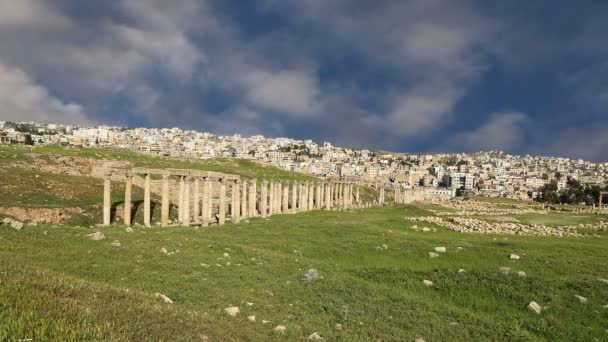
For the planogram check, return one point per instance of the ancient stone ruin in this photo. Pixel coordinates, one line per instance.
(205, 197)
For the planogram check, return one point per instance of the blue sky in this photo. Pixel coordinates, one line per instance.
(526, 77)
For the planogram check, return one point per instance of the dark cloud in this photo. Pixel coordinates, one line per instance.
(384, 74)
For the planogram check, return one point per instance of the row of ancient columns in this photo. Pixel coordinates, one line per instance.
(207, 203)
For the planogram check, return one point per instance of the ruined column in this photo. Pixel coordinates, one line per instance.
(279, 197)
(358, 199)
(271, 199)
(264, 199)
(107, 199)
(294, 197)
(311, 196)
(252, 197)
(127, 204)
(164, 210)
(285, 206)
(222, 208)
(236, 202)
(327, 196)
(186, 212)
(318, 196)
(196, 201)
(180, 201)
(346, 194)
(244, 207)
(206, 212)
(147, 210)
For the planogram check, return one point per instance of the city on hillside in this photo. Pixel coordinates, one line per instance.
(490, 173)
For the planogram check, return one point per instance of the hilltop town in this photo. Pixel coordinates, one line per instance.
(492, 173)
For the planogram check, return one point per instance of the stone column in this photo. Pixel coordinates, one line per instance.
(206, 201)
(252, 197)
(164, 210)
(357, 196)
(107, 199)
(127, 204)
(236, 202)
(345, 195)
(279, 197)
(196, 201)
(285, 208)
(327, 196)
(318, 196)
(186, 212)
(180, 201)
(271, 199)
(294, 197)
(147, 210)
(244, 207)
(311, 196)
(264, 199)
(222, 209)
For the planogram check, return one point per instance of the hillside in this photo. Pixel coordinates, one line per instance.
(57, 284)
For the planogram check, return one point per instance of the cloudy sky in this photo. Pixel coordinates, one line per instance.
(420, 75)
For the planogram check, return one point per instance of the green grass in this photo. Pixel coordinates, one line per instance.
(561, 219)
(244, 168)
(61, 285)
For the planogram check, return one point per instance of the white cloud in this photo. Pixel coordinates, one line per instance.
(437, 49)
(503, 131)
(21, 99)
(422, 108)
(30, 13)
(289, 92)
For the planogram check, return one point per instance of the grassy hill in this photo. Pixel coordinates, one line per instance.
(245, 168)
(21, 186)
(59, 285)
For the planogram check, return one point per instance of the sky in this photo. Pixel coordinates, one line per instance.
(525, 77)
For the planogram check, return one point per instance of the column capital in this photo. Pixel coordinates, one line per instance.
(166, 176)
(264, 181)
(253, 181)
(107, 175)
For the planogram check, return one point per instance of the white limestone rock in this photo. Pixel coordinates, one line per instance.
(514, 257)
(504, 270)
(251, 318)
(164, 298)
(280, 329)
(440, 249)
(115, 243)
(581, 299)
(521, 274)
(129, 230)
(16, 225)
(462, 270)
(433, 255)
(534, 307)
(232, 311)
(427, 283)
(315, 337)
(311, 275)
(96, 236)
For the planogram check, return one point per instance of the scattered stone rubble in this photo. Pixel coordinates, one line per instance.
(472, 225)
